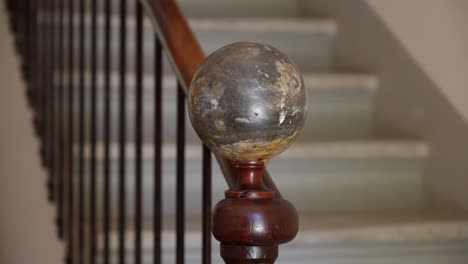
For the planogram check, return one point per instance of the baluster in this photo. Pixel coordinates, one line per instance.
(138, 132)
(71, 141)
(19, 24)
(254, 109)
(10, 5)
(206, 208)
(93, 136)
(35, 88)
(180, 177)
(51, 105)
(61, 132)
(44, 117)
(52, 95)
(37, 122)
(81, 127)
(157, 200)
(25, 40)
(122, 127)
(107, 125)
(30, 53)
(42, 113)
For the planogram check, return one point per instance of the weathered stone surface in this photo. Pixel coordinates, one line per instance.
(247, 101)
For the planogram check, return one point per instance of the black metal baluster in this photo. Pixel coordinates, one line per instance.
(32, 63)
(52, 95)
(61, 132)
(138, 132)
(46, 89)
(52, 85)
(107, 124)
(81, 127)
(20, 36)
(180, 177)
(37, 119)
(43, 82)
(122, 134)
(157, 201)
(10, 6)
(93, 132)
(206, 210)
(28, 58)
(71, 91)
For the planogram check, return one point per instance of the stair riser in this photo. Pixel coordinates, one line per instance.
(238, 8)
(311, 185)
(332, 113)
(310, 50)
(403, 253)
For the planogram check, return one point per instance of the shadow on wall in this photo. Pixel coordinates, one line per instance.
(409, 103)
(27, 229)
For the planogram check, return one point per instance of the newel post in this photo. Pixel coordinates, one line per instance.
(247, 102)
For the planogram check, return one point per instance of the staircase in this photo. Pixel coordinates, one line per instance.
(360, 197)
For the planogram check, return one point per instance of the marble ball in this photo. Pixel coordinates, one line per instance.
(247, 101)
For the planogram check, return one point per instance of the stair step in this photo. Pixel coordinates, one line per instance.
(255, 24)
(369, 149)
(342, 237)
(324, 176)
(220, 8)
(245, 8)
(310, 48)
(425, 225)
(340, 106)
(384, 227)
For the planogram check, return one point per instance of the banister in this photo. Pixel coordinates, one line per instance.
(186, 55)
(252, 221)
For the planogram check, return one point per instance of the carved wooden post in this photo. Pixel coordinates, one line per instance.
(247, 103)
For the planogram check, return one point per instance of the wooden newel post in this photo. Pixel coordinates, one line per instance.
(247, 103)
(251, 222)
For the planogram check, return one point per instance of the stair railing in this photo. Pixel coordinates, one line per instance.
(55, 76)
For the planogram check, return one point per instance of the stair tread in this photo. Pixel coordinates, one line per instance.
(332, 80)
(341, 81)
(287, 24)
(423, 225)
(384, 226)
(293, 24)
(244, 8)
(304, 150)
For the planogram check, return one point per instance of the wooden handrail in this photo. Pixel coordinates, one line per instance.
(186, 55)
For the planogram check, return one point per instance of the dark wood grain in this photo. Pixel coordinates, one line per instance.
(233, 254)
(252, 221)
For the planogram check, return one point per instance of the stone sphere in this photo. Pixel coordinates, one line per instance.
(247, 101)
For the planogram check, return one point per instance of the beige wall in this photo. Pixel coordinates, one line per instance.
(410, 103)
(27, 229)
(435, 34)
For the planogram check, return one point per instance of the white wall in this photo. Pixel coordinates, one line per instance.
(435, 34)
(410, 102)
(27, 229)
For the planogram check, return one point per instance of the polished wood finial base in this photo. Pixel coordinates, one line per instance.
(241, 254)
(249, 182)
(253, 220)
